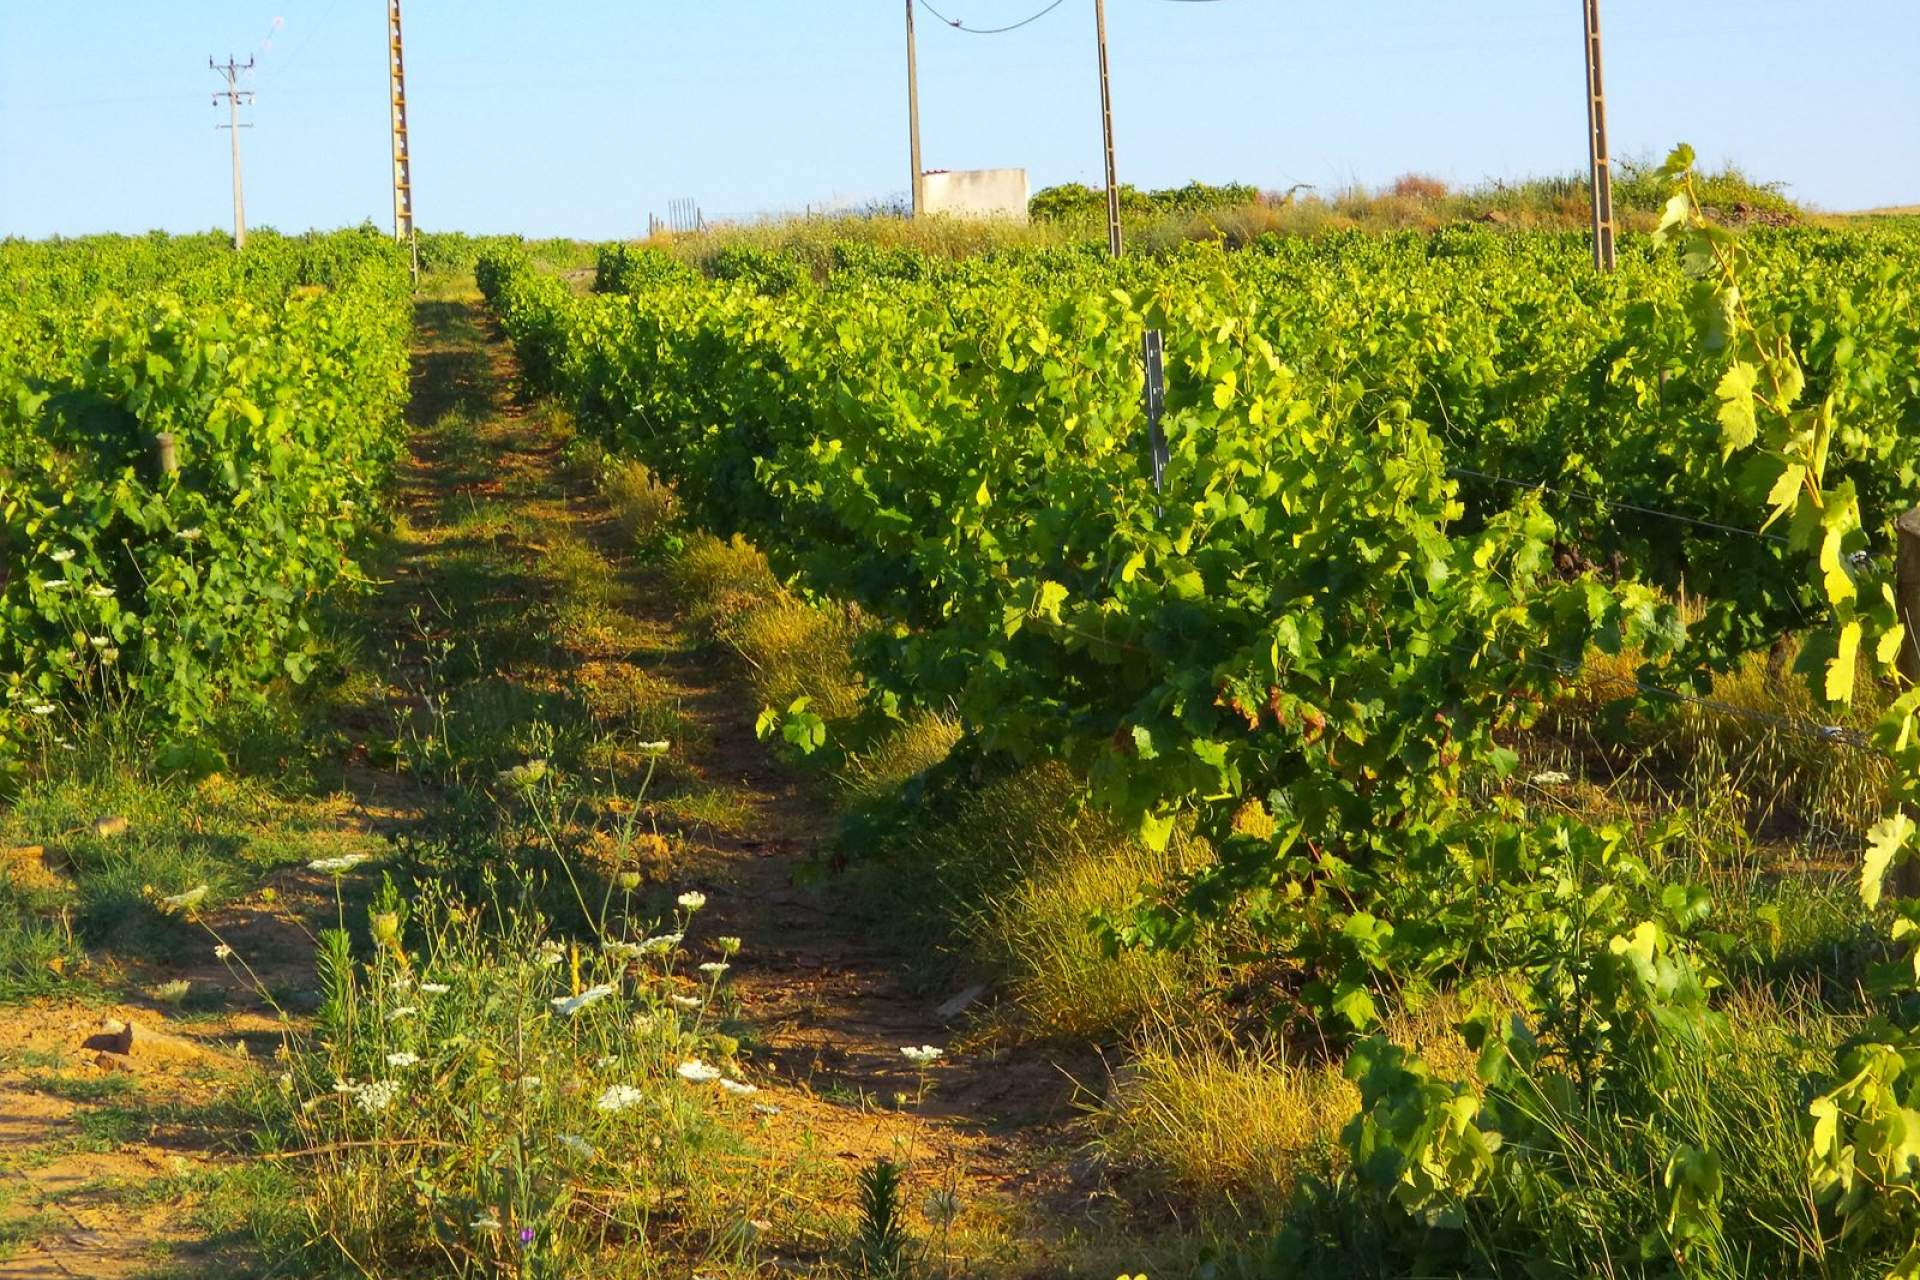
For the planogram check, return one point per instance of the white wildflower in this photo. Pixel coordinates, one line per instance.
(344, 1086)
(571, 1005)
(337, 866)
(403, 1059)
(375, 1096)
(404, 1011)
(189, 535)
(739, 1088)
(1550, 778)
(652, 748)
(685, 1002)
(99, 592)
(485, 1222)
(698, 1072)
(551, 952)
(524, 775)
(661, 943)
(693, 901)
(714, 968)
(619, 1097)
(55, 584)
(921, 1056)
(222, 952)
(435, 988)
(42, 708)
(62, 556)
(99, 642)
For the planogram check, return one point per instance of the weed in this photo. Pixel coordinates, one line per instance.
(493, 1096)
(104, 1087)
(881, 1239)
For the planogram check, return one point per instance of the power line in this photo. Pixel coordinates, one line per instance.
(1603, 500)
(958, 25)
(277, 72)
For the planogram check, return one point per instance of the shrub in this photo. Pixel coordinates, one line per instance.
(1418, 186)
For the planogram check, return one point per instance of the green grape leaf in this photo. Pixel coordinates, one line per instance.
(1738, 425)
(1885, 842)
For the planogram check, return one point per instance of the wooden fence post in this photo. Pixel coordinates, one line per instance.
(1906, 595)
(163, 454)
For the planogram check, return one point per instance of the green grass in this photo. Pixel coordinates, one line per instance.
(103, 1087)
(105, 893)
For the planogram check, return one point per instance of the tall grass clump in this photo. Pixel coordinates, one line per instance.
(1018, 868)
(646, 508)
(1755, 742)
(1226, 1127)
(792, 647)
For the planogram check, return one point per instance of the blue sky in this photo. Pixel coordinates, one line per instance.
(578, 117)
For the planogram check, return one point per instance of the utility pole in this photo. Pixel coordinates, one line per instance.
(235, 95)
(913, 113)
(1114, 243)
(1600, 167)
(403, 229)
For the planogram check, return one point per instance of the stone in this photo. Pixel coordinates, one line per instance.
(130, 1045)
(113, 1036)
(961, 1003)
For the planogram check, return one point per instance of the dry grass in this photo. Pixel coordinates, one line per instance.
(917, 744)
(813, 238)
(712, 575)
(1232, 1125)
(1220, 1124)
(795, 650)
(1022, 868)
(1064, 982)
(645, 507)
(792, 648)
(1756, 749)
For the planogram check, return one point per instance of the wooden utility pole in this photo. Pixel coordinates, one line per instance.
(235, 96)
(913, 115)
(403, 228)
(1114, 243)
(1599, 166)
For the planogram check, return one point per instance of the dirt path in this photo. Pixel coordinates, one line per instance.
(823, 992)
(516, 622)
